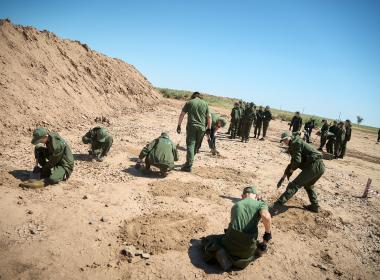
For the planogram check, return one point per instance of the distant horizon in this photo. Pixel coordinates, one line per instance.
(319, 58)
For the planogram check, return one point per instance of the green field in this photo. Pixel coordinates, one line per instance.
(227, 102)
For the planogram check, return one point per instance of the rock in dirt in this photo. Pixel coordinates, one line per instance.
(145, 256)
(84, 197)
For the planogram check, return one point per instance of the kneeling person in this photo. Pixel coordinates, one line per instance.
(160, 153)
(54, 159)
(239, 245)
(100, 140)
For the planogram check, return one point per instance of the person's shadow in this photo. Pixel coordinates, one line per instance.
(83, 157)
(142, 172)
(22, 175)
(196, 258)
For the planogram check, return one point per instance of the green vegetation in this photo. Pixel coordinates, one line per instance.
(227, 102)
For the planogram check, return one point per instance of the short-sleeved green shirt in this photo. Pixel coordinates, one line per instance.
(245, 215)
(197, 111)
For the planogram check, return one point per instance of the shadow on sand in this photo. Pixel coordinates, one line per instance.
(196, 258)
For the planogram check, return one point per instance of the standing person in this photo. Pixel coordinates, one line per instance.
(331, 137)
(54, 159)
(197, 116)
(340, 134)
(308, 130)
(259, 122)
(249, 115)
(324, 132)
(378, 136)
(235, 120)
(295, 124)
(347, 138)
(216, 123)
(161, 152)
(267, 117)
(242, 108)
(100, 140)
(309, 160)
(239, 246)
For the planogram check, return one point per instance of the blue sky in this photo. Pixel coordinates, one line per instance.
(321, 57)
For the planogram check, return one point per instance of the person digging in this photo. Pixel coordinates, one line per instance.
(309, 160)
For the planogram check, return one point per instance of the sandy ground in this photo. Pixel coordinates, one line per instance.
(76, 229)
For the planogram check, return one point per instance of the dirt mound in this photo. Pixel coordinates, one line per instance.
(51, 82)
(162, 231)
(305, 223)
(224, 173)
(175, 188)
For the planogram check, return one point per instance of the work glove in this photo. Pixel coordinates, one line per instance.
(178, 129)
(262, 247)
(267, 236)
(208, 131)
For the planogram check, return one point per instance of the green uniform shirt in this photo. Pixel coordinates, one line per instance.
(245, 216)
(235, 113)
(59, 153)
(340, 135)
(161, 151)
(302, 153)
(214, 119)
(197, 111)
(267, 116)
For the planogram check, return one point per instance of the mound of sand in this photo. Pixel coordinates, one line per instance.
(162, 231)
(57, 83)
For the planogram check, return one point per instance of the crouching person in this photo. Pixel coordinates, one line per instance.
(161, 153)
(100, 140)
(54, 160)
(239, 245)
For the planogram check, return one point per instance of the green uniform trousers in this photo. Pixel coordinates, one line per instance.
(247, 124)
(101, 148)
(194, 137)
(258, 129)
(54, 175)
(265, 128)
(234, 127)
(307, 178)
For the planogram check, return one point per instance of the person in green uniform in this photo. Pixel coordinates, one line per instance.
(309, 160)
(267, 117)
(100, 140)
(331, 137)
(54, 159)
(216, 123)
(198, 116)
(259, 122)
(235, 120)
(347, 138)
(323, 133)
(161, 153)
(340, 135)
(247, 120)
(241, 109)
(239, 245)
(295, 124)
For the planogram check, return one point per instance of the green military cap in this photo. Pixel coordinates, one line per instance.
(285, 135)
(38, 133)
(249, 189)
(164, 134)
(101, 135)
